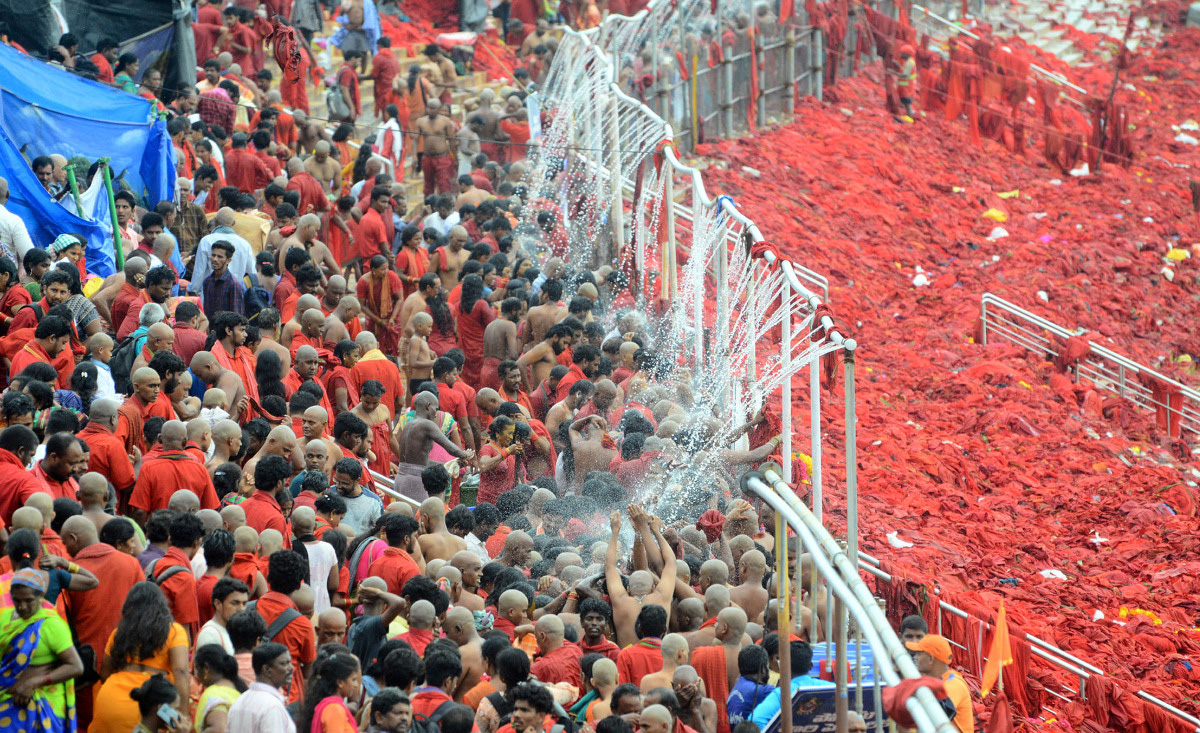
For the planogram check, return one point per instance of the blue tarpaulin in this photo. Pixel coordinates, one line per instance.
(44, 217)
(49, 110)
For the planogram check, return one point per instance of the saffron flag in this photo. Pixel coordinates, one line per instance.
(999, 656)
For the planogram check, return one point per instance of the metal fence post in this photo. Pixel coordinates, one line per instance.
(618, 208)
(759, 50)
(818, 67)
(727, 89)
(789, 46)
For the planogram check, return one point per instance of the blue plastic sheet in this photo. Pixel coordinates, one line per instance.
(48, 110)
(44, 217)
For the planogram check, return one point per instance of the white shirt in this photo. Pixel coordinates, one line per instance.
(241, 264)
(260, 709)
(14, 237)
(440, 225)
(321, 559)
(475, 545)
(214, 633)
(106, 388)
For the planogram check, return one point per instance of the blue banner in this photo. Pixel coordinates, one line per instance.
(814, 710)
(150, 47)
(48, 110)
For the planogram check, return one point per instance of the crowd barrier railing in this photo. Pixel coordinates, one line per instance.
(1176, 404)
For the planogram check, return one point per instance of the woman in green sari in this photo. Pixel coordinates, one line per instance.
(38, 661)
(127, 69)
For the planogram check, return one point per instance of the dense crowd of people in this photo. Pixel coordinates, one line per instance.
(313, 461)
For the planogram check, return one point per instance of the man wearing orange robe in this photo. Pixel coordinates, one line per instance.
(374, 365)
(169, 471)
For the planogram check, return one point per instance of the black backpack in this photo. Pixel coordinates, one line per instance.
(279, 624)
(422, 724)
(254, 301)
(121, 364)
(167, 574)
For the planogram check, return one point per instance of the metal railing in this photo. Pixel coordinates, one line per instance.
(852, 599)
(383, 486)
(1039, 649)
(1105, 368)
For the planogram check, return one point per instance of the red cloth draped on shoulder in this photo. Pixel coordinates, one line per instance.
(242, 363)
(709, 662)
(382, 449)
(339, 376)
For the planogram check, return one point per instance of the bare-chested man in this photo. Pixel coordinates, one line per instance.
(627, 604)
(439, 134)
(280, 442)
(436, 541)
(335, 329)
(469, 567)
(565, 411)
(204, 365)
(537, 362)
(750, 595)
(538, 37)
(589, 447)
(449, 261)
(546, 314)
(419, 357)
(268, 329)
(415, 442)
(460, 629)
(227, 443)
(500, 342)
(324, 167)
(305, 236)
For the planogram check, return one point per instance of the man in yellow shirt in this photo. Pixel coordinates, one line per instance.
(932, 656)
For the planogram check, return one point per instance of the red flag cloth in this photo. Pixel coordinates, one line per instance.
(895, 696)
(287, 49)
(709, 662)
(1001, 719)
(710, 523)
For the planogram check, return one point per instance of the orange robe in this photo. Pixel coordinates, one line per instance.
(373, 365)
(167, 473)
(709, 662)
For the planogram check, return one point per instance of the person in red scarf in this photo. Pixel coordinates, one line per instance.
(243, 168)
(231, 353)
(421, 619)
(170, 470)
(339, 383)
(443, 668)
(371, 411)
(640, 659)
(384, 70)
(412, 261)
(52, 335)
(179, 586)
(374, 365)
(312, 194)
(595, 616)
(558, 659)
(134, 411)
(717, 665)
(380, 293)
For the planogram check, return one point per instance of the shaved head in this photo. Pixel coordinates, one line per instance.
(144, 375)
(421, 615)
(184, 501)
(549, 625)
(234, 518)
(245, 539)
(283, 440)
(734, 620)
(30, 517)
(304, 520)
(672, 646)
(173, 435)
(82, 528)
(512, 599)
(93, 487)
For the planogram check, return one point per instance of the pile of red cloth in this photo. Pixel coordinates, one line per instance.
(491, 55)
(1002, 472)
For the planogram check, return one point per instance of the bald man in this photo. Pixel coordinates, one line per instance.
(307, 229)
(459, 628)
(232, 518)
(517, 547)
(108, 455)
(374, 364)
(713, 572)
(281, 441)
(718, 665)
(159, 337)
(696, 709)
(227, 444)
(325, 168)
(322, 559)
(183, 501)
(716, 599)
(209, 370)
(421, 618)
(627, 604)
(342, 322)
(675, 653)
(559, 660)
(469, 567)
(415, 442)
(173, 469)
(511, 615)
(436, 541)
(245, 565)
(116, 297)
(269, 329)
(93, 497)
(604, 403)
(656, 719)
(133, 413)
(199, 440)
(751, 596)
(305, 363)
(331, 627)
(293, 326)
(94, 614)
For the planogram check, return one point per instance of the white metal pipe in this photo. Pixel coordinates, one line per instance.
(785, 389)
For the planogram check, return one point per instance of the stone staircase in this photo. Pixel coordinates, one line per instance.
(1035, 21)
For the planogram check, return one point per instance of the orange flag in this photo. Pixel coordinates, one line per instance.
(999, 655)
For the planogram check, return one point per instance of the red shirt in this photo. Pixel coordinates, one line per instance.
(167, 473)
(16, 485)
(68, 489)
(94, 614)
(126, 297)
(188, 341)
(263, 512)
(471, 327)
(498, 479)
(605, 647)
(246, 170)
(428, 700)
(30, 353)
(564, 385)
(312, 193)
(636, 661)
(104, 71)
(204, 587)
(108, 457)
(468, 392)
(451, 401)
(560, 665)
(418, 639)
(180, 589)
(395, 566)
(285, 288)
(347, 77)
(372, 234)
(297, 636)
